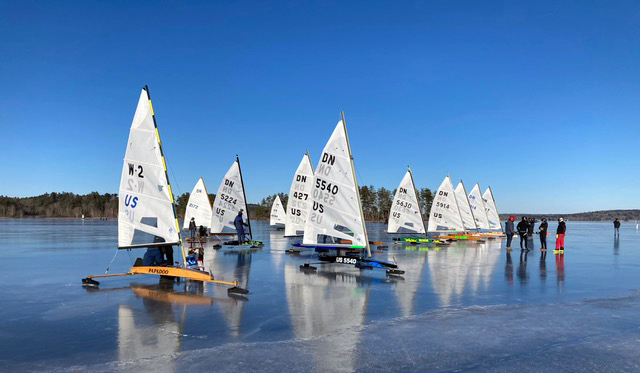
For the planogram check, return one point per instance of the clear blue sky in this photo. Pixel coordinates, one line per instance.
(539, 99)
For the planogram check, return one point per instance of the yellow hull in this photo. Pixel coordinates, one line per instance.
(185, 273)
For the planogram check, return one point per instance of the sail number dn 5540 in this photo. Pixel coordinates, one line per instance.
(346, 260)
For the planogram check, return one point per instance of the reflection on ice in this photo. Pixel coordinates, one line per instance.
(462, 266)
(339, 319)
(325, 303)
(230, 266)
(413, 263)
(151, 335)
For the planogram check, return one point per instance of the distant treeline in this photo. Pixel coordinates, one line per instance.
(376, 203)
(60, 205)
(604, 215)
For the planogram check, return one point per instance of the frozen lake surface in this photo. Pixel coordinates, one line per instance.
(465, 307)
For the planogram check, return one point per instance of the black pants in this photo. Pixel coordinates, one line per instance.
(543, 241)
(509, 239)
(523, 238)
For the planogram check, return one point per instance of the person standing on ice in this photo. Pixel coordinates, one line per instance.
(508, 230)
(531, 227)
(560, 232)
(522, 227)
(239, 224)
(192, 227)
(616, 227)
(543, 234)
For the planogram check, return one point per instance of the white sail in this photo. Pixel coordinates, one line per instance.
(229, 201)
(468, 220)
(477, 206)
(492, 210)
(405, 211)
(445, 215)
(335, 208)
(299, 198)
(198, 207)
(277, 212)
(145, 201)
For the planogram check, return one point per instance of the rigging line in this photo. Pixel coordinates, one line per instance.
(130, 259)
(111, 262)
(173, 175)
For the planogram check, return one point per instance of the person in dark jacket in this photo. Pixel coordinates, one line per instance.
(167, 253)
(543, 234)
(560, 232)
(616, 227)
(531, 227)
(202, 231)
(192, 228)
(239, 224)
(522, 227)
(153, 257)
(509, 230)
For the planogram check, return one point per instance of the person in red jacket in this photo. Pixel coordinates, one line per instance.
(560, 232)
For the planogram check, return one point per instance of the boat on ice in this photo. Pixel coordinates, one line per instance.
(146, 208)
(277, 218)
(495, 226)
(480, 213)
(335, 221)
(405, 216)
(229, 201)
(198, 207)
(445, 220)
(299, 198)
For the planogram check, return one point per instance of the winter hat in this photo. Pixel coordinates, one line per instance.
(560, 220)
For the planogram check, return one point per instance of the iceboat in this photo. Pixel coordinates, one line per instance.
(445, 220)
(230, 200)
(298, 201)
(146, 207)
(405, 217)
(335, 225)
(277, 218)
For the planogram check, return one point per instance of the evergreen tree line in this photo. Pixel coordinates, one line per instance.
(65, 205)
(376, 204)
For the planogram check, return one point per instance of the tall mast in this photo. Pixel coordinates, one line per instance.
(306, 153)
(245, 197)
(353, 171)
(166, 174)
(415, 191)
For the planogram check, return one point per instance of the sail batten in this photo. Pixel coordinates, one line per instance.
(335, 201)
(299, 198)
(478, 208)
(445, 214)
(405, 211)
(145, 193)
